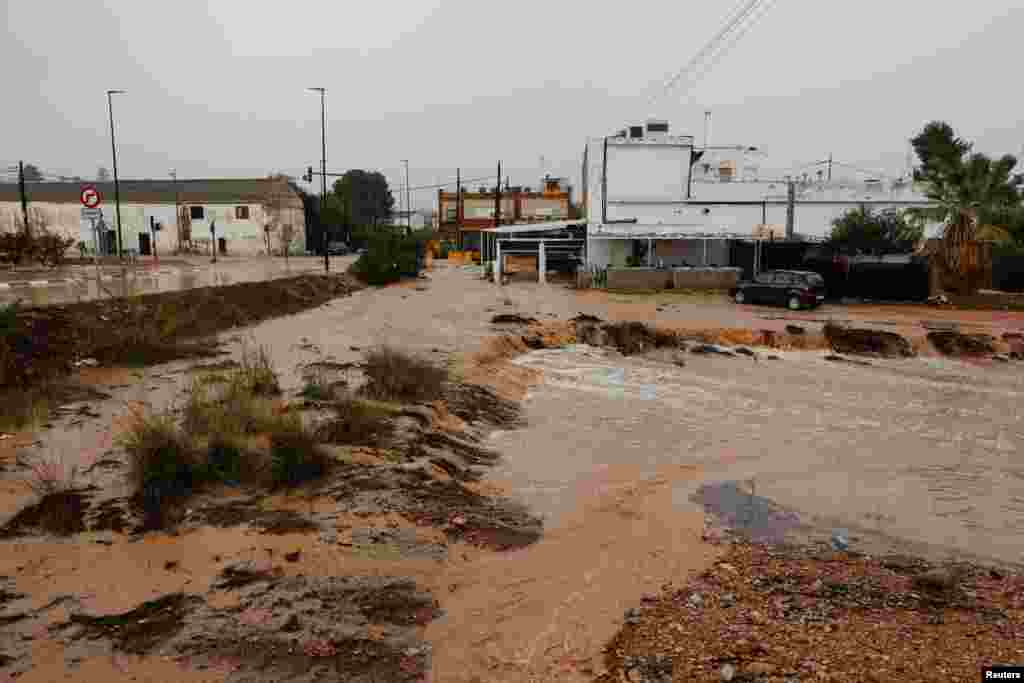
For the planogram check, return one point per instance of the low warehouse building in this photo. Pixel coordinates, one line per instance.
(245, 216)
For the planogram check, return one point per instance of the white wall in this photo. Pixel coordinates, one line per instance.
(244, 237)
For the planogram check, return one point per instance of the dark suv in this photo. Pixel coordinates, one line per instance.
(794, 289)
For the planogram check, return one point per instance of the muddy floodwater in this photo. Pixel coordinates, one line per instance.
(622, 457)
(923, 452)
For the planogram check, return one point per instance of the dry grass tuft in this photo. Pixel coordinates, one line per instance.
(396, 376)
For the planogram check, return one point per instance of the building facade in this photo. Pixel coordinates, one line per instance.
(244, 216)
(462, 221)
(654, 197)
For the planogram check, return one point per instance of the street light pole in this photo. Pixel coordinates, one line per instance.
(177, 211)
(117, 188)
(323, 170)
(408, 199)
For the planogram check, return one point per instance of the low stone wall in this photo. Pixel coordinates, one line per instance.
(639, 278)
(705, 278)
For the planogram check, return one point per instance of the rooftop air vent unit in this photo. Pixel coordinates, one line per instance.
(636, 132)
(657, 128)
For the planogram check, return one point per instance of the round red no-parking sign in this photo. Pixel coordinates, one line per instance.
(90, 197)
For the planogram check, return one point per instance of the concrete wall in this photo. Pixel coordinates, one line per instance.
(638, 278)
(705, 278)
(244, 236)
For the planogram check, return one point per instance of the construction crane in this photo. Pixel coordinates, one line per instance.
(743, 17)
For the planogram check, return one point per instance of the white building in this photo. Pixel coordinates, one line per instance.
(652, 195)
(249, 216)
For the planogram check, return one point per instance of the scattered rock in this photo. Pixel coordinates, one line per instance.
(293, 556)
(712, 348)
(585, 318)
(695, 601)
(795, 329)
(953, 343)
(292, 624)
(943, 580)
(743, 350)
(727, 672)
(760, 669)
(857, 340)
(170, 565)
(773, 357)
(1001, 358)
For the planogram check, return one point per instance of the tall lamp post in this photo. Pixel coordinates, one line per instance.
(323, 169)
(408, 199)
(117, 188)
(177, 211)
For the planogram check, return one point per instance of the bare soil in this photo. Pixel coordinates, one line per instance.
(781, 613)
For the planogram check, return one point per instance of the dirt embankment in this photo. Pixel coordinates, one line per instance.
(40, 344)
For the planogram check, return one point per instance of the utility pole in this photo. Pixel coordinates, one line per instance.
(117, 188)
(323, 171)
(408, 199)
(830, 167)
(458, 207)
(790, 207)
(497, 199)
(24, 197)
(707, 125)
(177, 211)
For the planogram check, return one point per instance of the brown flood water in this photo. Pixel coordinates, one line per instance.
(923, 450)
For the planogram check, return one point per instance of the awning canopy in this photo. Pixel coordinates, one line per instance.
(533, 227)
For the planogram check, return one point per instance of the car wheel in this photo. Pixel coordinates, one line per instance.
(739, 297)
(794, 303)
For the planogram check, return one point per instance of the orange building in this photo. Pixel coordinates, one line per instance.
(461, 221)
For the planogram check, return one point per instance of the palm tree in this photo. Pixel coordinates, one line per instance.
(964, 186)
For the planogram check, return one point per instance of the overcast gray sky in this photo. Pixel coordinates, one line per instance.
(217, 88)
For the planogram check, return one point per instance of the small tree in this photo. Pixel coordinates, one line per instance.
(866, 231)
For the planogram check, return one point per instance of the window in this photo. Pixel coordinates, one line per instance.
(242, 213)
(784, 279)
(196, 213)
(764, 278)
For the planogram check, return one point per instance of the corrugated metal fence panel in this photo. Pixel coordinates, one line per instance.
(1008, 273)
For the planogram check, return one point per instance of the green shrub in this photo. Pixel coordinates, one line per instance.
(355, 422)
(390, 255)
(296, 456)
(164, 467)
(256, 374)
(317, 388)
(395, 376)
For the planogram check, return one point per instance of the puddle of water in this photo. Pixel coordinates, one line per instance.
(756, 517)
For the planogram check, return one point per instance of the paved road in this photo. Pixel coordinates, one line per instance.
(84, 283)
